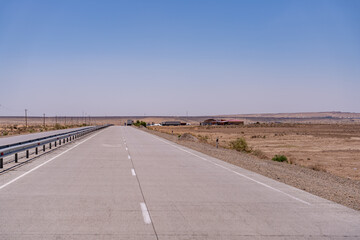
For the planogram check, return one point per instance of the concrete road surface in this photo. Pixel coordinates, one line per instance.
(122, 183)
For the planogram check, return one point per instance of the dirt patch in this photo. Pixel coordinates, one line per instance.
(188, 137)
(338, 189)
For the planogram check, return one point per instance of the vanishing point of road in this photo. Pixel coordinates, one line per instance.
(123, 183)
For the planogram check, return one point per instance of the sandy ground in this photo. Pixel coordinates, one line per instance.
(332, 148)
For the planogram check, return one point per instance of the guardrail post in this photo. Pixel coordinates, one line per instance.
(64, 140)
(44, 148)
(1, 162)
(16, 157)
(49, 145)
(27, 153)
(67, 139)
(60, 142)
(36, 150)
(55, 143)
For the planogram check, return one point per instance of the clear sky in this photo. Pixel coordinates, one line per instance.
(203, 57)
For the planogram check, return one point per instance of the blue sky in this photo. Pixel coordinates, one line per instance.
(172, 57)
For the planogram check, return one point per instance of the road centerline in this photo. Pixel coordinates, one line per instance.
(145, 213)
(144, 210)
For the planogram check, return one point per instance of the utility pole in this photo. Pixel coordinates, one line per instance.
(26, 118)
(55, 120)
(65, 120)
(44, 120)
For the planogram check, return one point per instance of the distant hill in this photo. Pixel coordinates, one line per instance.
(300, 115)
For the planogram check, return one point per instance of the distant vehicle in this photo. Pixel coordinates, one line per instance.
(129, 122)
(157, 124)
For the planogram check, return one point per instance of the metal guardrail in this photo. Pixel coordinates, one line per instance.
(41, 142)
(41, 138)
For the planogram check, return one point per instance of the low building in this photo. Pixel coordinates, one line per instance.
(171, 123)
(211, 121)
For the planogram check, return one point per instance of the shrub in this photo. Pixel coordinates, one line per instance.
(317, 167)
(259, 154)
(240, 145)
(58, 126)
(139, 123)
(280, 158)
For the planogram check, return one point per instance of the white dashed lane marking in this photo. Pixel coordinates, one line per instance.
(145, 213)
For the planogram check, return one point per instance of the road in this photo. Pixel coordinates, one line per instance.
(123, 183)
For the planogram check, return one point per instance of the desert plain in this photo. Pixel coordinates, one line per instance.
(332, 148)
(326, 141)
